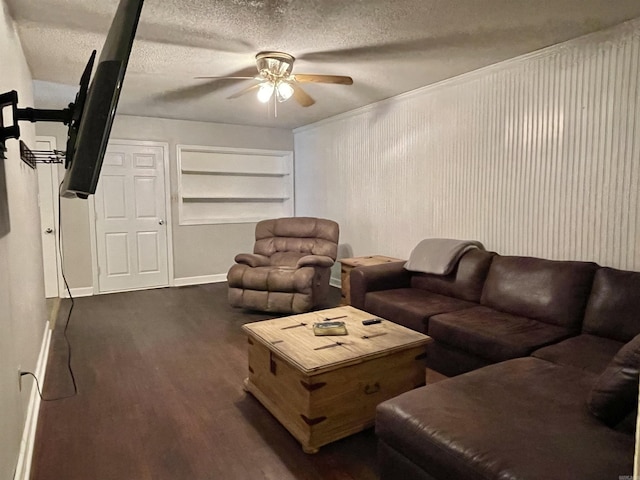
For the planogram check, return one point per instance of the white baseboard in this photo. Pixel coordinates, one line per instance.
(184, 281)
(23, 468)
(78, 292)
(177, 282)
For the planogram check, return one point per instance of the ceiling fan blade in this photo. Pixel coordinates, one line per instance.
(212, 84)
(244, 91)
(193, 92)
(311, 77)
(302, 97)
(246, 73)
(227, 78)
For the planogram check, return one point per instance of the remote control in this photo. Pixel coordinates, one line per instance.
(371, 321)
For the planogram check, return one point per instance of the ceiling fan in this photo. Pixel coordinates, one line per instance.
(276, 80)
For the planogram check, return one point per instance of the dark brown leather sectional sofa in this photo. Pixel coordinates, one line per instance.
(541, 387)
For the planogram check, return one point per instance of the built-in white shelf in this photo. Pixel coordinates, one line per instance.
(233, 185)
(214, 198)
(235, 174)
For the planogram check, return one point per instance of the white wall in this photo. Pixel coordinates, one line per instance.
(535, 156)
(198, 250)
(22, 301)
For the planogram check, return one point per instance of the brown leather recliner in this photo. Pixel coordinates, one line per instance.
(289, 268)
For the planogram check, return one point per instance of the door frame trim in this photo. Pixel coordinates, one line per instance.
(55, 186)
(168, 220)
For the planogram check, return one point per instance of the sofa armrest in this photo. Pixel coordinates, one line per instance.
(253, 259)
(315, 261)
(385, 276)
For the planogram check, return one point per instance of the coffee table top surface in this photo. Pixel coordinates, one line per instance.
(292, 338)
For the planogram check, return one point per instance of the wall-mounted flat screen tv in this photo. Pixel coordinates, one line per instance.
(95, 105)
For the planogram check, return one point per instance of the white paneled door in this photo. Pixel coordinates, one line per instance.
(130, 207)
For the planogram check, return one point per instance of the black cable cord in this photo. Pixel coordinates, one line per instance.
(22, 374)
(66, 285)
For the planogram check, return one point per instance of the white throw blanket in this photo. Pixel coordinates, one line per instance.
(439, 255)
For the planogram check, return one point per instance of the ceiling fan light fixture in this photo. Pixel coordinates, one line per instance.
(265, 92)
(276, 81)
(284, 90)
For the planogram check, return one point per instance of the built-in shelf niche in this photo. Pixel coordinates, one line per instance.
(233, 185)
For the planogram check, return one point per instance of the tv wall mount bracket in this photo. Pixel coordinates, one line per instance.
(9, 100)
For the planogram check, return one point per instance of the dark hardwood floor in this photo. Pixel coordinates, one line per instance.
(159, 375)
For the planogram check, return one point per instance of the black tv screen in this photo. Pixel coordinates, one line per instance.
(95, 108)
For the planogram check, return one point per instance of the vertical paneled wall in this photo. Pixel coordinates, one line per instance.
(538, 156)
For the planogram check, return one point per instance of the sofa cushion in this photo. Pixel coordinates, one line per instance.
(410, 307)
(551, 291)
(493, 335)
(466, 280)
(613, 310)
(615, 393)
(521, 419)
(588, 352)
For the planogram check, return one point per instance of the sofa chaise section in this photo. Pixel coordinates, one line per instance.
(524, 419)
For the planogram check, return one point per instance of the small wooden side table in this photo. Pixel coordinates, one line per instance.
(348, 264)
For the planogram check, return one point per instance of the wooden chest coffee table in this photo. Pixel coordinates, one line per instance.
(323, 388)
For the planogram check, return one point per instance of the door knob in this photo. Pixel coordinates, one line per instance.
(161, 222)
(49, 230)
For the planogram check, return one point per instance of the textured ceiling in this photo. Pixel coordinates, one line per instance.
(388, 47)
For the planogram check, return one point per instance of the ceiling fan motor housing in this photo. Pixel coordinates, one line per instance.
(278, 64)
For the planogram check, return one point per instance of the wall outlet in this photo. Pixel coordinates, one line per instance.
(19, 379)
